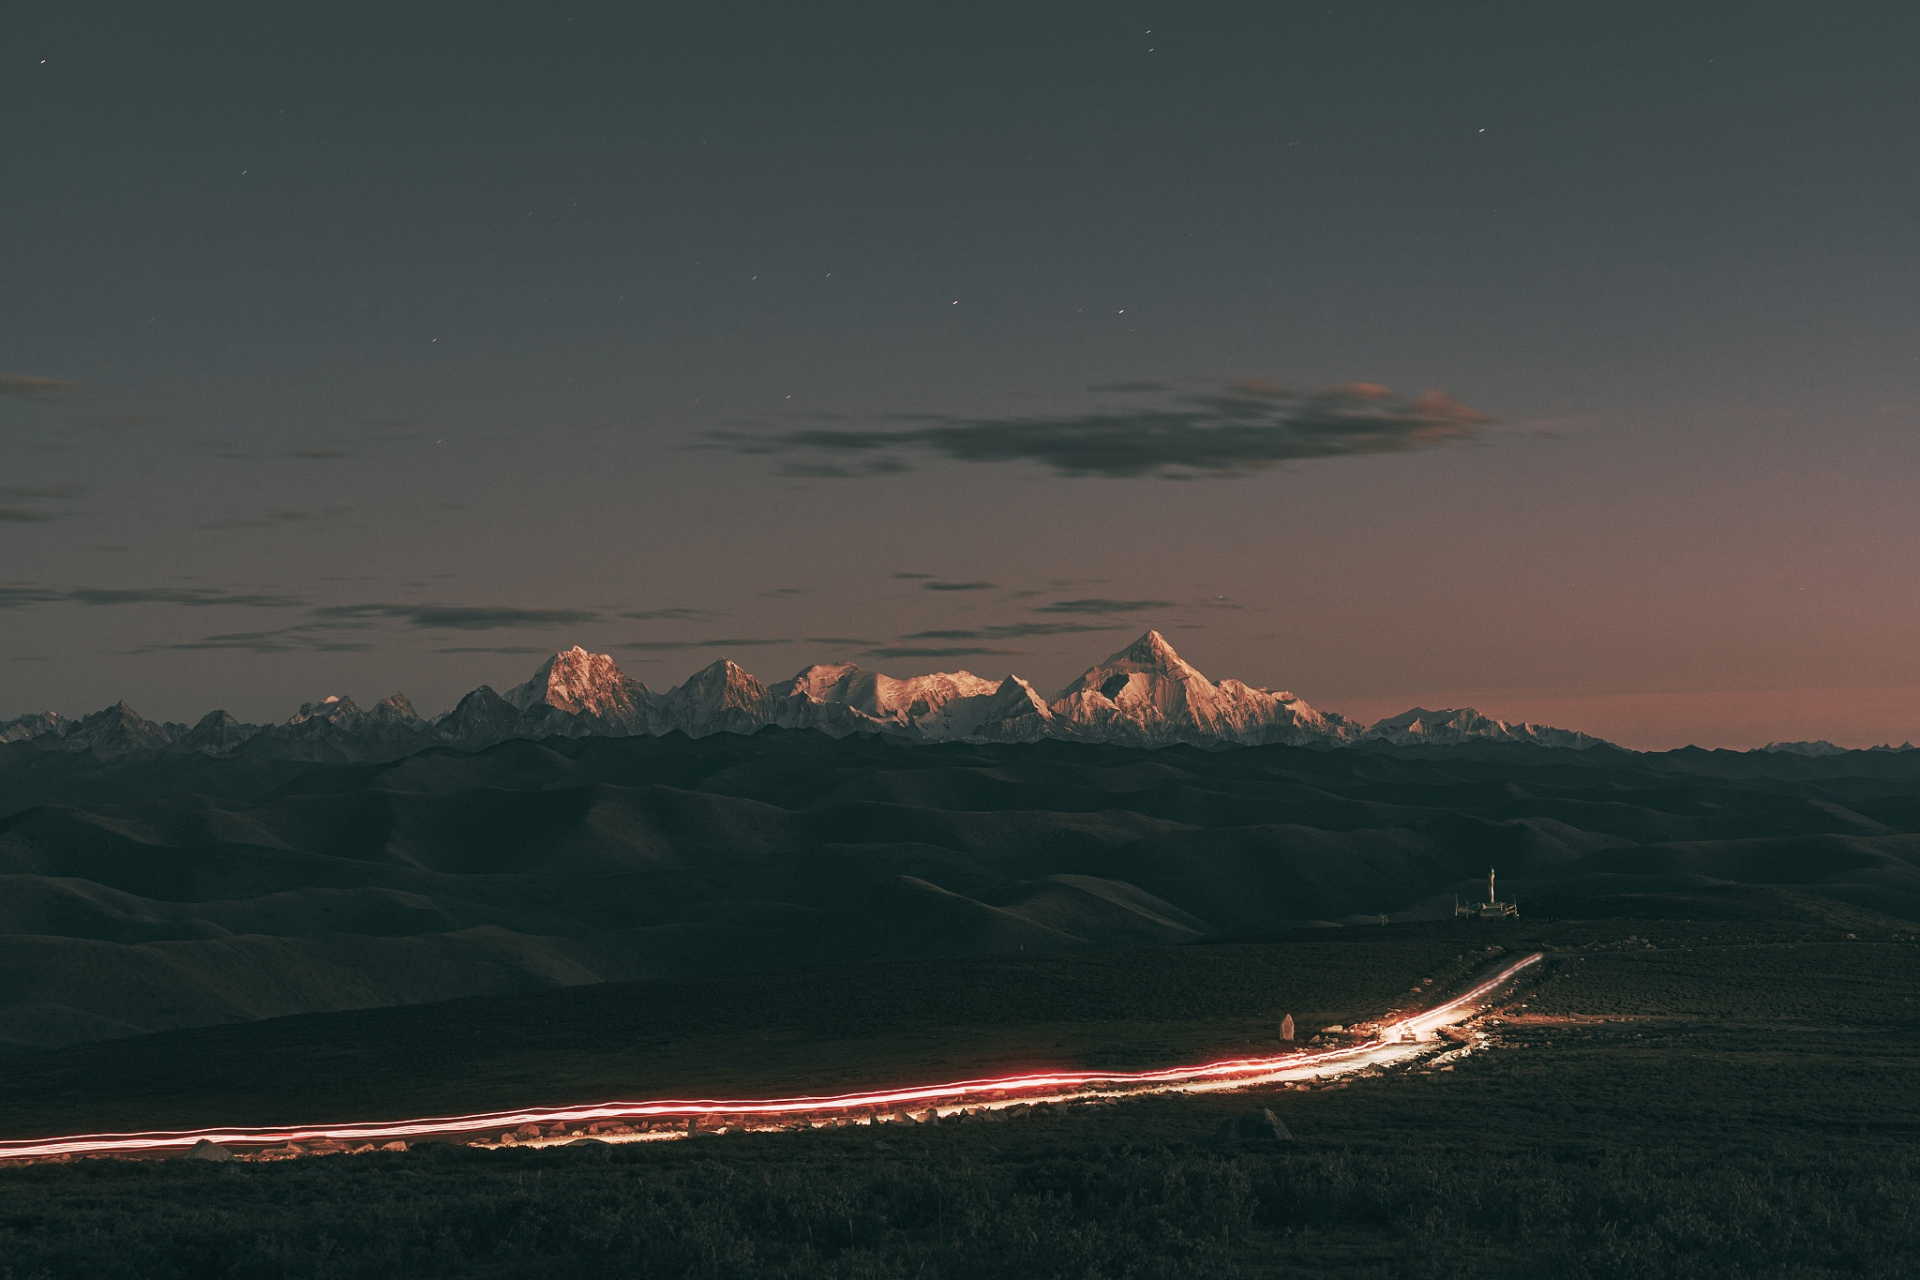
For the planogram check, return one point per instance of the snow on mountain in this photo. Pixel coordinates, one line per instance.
(721, 698)
(842, 697)
(1820, 747)
(1147, 695)
(1143, 695)
(481, 719)
(397, 709)
(1013, 712)
(579, 683)
(336, 729)
(1463, 724)
(35, 725)
(333, 711)
(215, 733)
(115, 731)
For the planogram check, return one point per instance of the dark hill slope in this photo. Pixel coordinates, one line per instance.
(169, 890)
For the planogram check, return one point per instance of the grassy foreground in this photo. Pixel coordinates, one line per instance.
(1674, 1099)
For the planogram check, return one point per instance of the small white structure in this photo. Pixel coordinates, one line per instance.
(1491, 907)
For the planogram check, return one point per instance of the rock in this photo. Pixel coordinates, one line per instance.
(206, 1150)
(1286, 1027)
(1254, 1126)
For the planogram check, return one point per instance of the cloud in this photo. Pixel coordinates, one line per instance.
(256, 522)
(959, 586)
(952, 651)
(303, 638)
(11, 514)
(45, 390)
(322, 619)
(455, 617)
(1017, 631)
(913, 577)
(778, 592)
(670, 615)
(16, 595)
(1098, 605)
(519, 649)
(1227, 432)
(319, 455)
(195, 597)
(669, 646)
(836, 640)
(844, 471)
(320, 630)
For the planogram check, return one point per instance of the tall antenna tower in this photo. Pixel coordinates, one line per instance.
(1491, 907)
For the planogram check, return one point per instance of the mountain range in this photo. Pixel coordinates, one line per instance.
(1145, 695)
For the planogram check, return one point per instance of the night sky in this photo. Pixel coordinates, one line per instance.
(1562, 361)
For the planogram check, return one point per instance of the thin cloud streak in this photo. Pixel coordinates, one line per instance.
(305, 638)
(11, 514)
(192, 597)
(1016, 631)
(514, 649)
(1097, 605)
(45, 390)
(437, 617)
(256, 522)
(670, 615)
(674, 646)
(940, 651)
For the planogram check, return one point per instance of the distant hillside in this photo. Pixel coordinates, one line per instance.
(158, 890)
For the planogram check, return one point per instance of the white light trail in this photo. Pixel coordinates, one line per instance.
(1403, 1040)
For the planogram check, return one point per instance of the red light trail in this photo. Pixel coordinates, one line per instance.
(1397, 1041)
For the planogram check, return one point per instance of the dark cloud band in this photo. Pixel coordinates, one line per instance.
(436, 617)
(1239, 429)
(1097, 605)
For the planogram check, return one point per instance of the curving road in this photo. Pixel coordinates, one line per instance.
(1404, 1039)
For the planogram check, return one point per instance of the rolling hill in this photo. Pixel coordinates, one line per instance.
(166, 889)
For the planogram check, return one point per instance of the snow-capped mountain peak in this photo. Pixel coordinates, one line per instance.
(335, 709)
(577, 682)
(33, 725)
(395, 708)
(1145, 694)
(1456, 725)
(1816, 748)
